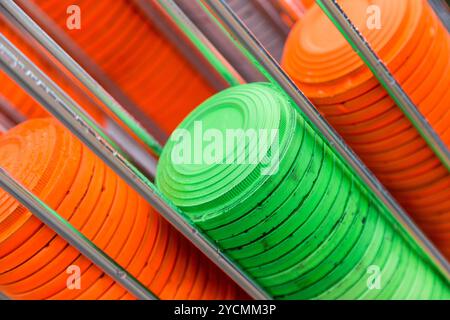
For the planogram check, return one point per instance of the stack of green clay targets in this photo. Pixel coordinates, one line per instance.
(297, 221)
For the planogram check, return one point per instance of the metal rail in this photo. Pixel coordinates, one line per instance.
(382, 73)
(274, 73)
(63, 228)
(14, 63)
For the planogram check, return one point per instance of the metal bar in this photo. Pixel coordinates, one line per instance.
(13, 59)
(3, 297)
(205, 22)
(208, 52)
(10, 111)
(13, 12)
(268, 8)
(5, 123)
(71, 116)
(263, 20)
(140, 156)
(63, 228)
(382, 73)
(274, 73)
(442, 10)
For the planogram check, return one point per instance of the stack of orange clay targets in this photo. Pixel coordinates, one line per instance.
(414, 44)
(34, 261)
(120, 39)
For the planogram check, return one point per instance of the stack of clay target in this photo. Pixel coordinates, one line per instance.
(297, 220)
(135, 56)
(20, 99)
(413, 43)
(35, 263)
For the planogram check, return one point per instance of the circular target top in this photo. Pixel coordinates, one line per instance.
(226, 149)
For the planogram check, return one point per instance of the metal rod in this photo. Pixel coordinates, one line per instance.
(17, 15)
(247, 42)
(442, 10)
(3, 297)
(123, 142)
(64, 229)
(205, 23)
(211, 56)
(71, 116)
(382, 73)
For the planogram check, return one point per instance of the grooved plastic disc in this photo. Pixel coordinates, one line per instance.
(233, 111)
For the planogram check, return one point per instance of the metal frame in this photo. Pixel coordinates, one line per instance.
(10, 112)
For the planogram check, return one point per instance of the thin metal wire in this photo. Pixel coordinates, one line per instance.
(63, 228)
(382, 73)
(14, 63)
(274, 73)
(14, 13)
